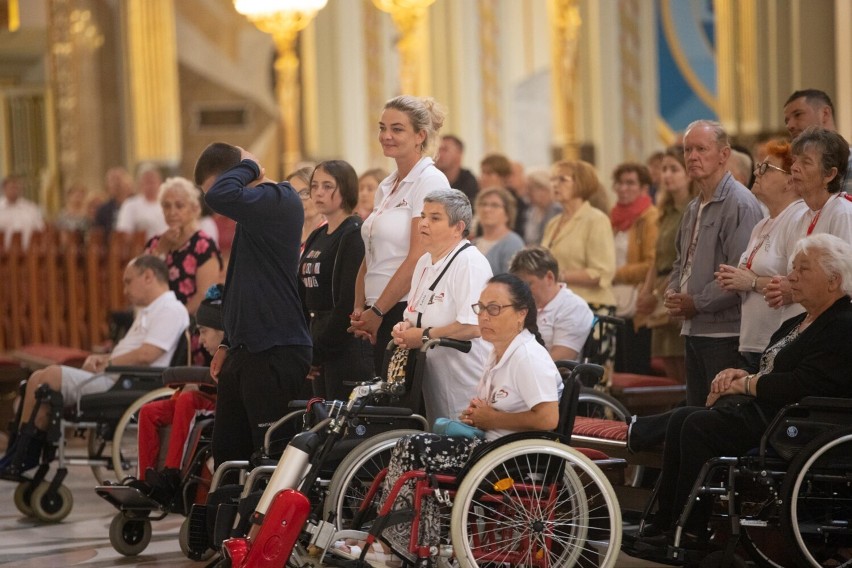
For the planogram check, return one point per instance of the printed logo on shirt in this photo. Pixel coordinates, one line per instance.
(500, 394)
(402, 203)
(310, 268)
(437, 298)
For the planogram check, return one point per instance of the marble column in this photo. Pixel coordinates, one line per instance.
(152, 82)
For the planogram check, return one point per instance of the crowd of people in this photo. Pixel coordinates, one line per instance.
(327, 271)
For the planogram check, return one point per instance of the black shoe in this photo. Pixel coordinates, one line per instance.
(31, 459)
(165, 485)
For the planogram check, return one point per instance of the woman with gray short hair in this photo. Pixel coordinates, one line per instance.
(446, 283)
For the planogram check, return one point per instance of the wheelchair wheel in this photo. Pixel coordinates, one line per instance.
(535, 503)
(124, 457)
(186, 548)
(596, 404)
(129, 536)
(23, 498)
(355, 474)
(51, 506)
(818, 494)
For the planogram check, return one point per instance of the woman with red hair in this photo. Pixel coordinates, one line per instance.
(765, 256)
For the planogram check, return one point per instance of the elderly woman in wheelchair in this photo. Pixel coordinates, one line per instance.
(808, 355)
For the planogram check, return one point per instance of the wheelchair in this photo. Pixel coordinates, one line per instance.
(111, 446)
(130, 529)
(787, 503)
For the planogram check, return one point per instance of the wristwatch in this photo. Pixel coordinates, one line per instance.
(426, 336)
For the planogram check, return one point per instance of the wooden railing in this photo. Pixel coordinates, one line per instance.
(62, 288)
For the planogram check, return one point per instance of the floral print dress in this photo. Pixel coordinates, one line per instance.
(183, 266)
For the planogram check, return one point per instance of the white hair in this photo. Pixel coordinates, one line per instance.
(835, 256)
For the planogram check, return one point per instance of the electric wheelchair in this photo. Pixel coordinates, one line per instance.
(788, 503)
(102, 419)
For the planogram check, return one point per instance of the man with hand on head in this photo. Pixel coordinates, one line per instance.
(266, 353)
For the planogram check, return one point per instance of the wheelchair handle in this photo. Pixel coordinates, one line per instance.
(457, 344)
(602, 318)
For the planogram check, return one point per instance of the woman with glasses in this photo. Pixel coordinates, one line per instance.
(820, 163)
(766, 255)
(408, 129)
(496, 212)
(581, 237)
(330, 262)
(301, 180)
(518, 391)
(446, 281)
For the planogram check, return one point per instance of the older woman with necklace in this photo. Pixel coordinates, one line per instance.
(765, 256)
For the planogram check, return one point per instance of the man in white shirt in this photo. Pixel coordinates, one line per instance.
(142, 212)
(158, 326)
(17, 214)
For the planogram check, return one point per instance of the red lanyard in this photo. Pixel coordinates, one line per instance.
(814, 222)
(755, 249)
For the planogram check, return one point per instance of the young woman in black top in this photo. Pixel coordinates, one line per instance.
(327, 271)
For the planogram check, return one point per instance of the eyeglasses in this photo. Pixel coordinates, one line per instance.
(761, 168)
(559, 179)
(492, 309)
(305, 194)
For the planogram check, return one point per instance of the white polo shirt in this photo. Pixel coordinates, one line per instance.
(524, 377)
(835, 218)
(566, 320)
(160, 324)
(387, 231)
(450, 377)
(767, 249)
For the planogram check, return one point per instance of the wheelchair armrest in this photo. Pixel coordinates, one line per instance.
(826, 403)
(822, 409)
(139, 371)
(174, 376)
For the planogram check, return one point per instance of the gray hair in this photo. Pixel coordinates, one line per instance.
(456, 204)
(833, 149)
(719, 134)
(184, 188)
(835, 256)
(425, 114)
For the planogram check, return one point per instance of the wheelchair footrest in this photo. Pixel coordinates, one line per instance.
(125, 498)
